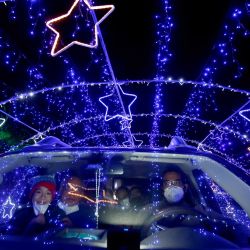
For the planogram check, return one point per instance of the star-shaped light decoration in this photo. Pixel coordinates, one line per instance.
(4, 1)
(55, 51)
(8, 207)
(126, 123)
(230, 209)
(245, 114)
(123, 111)
(136, 143)
(201, 147)
(217, 134)
(2, 121)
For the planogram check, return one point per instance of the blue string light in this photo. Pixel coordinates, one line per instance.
(78, 117)
(164, 54)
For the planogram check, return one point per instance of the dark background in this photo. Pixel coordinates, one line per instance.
(130, 36)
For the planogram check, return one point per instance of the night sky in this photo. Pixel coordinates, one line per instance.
(130, 34)
(196, 29)
(42, 95)
(130, 38)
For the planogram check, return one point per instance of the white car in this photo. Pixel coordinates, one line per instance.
(223, 222)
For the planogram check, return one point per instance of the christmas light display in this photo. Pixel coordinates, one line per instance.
(125, 113)
(227, 204)
(2, 121)
(84, 104)
(8, 207)
(248, 6)
(245, 114)
(137, 143)
(163, 31)
(224, 57)
(91, 200)
(4, 1)
(51, 23)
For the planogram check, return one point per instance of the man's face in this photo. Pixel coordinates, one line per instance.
(74, 185)
(172, 179)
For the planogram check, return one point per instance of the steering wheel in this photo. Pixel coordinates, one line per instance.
(174, 216)
(186, 216)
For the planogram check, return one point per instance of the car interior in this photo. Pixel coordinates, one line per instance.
(105, 173)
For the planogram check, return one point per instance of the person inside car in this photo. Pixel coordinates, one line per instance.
(137, 198)
(122, 196)
(79, 213)
(175, 188)
(41, 215)
(177, 193)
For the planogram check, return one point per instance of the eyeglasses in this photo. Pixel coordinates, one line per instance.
(169, 183)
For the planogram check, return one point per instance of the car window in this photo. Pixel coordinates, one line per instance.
(219, 200)
(13, 189)
(94, 187)
(88, 201)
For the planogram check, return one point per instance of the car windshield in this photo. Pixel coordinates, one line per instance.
(96, 198)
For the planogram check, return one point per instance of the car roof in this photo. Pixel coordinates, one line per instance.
(58, 157)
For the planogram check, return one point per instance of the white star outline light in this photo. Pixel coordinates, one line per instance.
(48, 24)
(137, 143)
(6, 206)
(126, 123)
(4, 1)
(201, 147)
(125, 116)
(219, 137)
(2, 121)
(244, 116)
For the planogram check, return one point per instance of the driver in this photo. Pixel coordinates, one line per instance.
(175, 188)
(177, 194)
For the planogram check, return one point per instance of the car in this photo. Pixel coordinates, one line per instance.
(221, 189)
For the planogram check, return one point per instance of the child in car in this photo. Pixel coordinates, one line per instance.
(41, 215)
